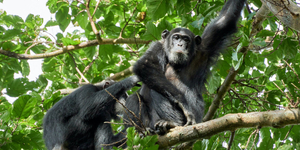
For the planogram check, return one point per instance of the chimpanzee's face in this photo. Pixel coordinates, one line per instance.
(180, 45)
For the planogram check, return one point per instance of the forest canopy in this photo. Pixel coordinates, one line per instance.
(252, 95)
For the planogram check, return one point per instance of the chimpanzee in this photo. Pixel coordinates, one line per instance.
(76, 122)
(174, 70)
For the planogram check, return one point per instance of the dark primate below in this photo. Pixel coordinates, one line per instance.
(76, 122)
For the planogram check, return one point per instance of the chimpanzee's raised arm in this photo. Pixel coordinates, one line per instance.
(218, 32)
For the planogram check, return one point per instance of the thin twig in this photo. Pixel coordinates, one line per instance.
(115, 142)
(79, 72)
(140, 103)
(132, 113)
(292, 70)
(194, 7)
(231, 140)
(92, 21)
(96, 8)
(120, 36)
(248, 141)
(257, 131)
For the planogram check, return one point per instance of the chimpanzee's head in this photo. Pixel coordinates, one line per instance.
(180, 45)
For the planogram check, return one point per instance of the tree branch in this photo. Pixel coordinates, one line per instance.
(286, 11)
(230, 122)
(69, 48)
(92, 21)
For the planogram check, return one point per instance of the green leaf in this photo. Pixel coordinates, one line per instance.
(149, 142)
(90, 52)
(82, 19)
(157, 8)
(272, 24)
(289, 47)
(285, 147)
(213, 83)
(25, 68)
(13, 20)
(17, 87)
(10, 34)
(201, 144)
(130, 136)
(152, 33)
(36, 139)
(183, 6)
(68, 41)
(51, 23)
(164, 24)
(49, 65)
(266, 139)
(259, 42)
(265, 33)
(23, 106)
(63, 18)
(198, 23)
(48, 103)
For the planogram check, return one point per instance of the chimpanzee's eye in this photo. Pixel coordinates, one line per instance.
(186, 39)
(176, 37)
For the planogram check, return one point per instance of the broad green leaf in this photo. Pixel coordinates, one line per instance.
(13, 20)
(49, 65)
(10, 34)
(68, 41)
(259, 42)
(18, 87)
(130, 136)
(198, 23)
(82, 19)
(90, 52)
(264, 33)
(51, 23)
(152, 33)
(213, 83)
(273, 24)
(183, 6)
(157, 8)
(48, 103)
(63, 18)
(25, 68)
(23, 106)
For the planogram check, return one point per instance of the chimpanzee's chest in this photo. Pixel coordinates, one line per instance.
(177, 79)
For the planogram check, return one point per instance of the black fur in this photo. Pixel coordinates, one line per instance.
(76, 122)
(174, 70)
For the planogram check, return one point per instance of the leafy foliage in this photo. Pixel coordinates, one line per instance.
(268, 74)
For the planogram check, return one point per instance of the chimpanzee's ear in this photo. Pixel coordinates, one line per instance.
(164, 34)
(198, 40)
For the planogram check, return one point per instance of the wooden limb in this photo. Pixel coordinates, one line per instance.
(69, 48)
(230, 122)
(286, 11)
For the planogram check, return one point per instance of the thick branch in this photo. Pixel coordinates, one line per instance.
(122, 74)
(286, 11)
(230, 122)
(74, 47)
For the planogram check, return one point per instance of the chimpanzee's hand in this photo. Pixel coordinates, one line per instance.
(163, 126)
(134, 80)
(190, 118)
